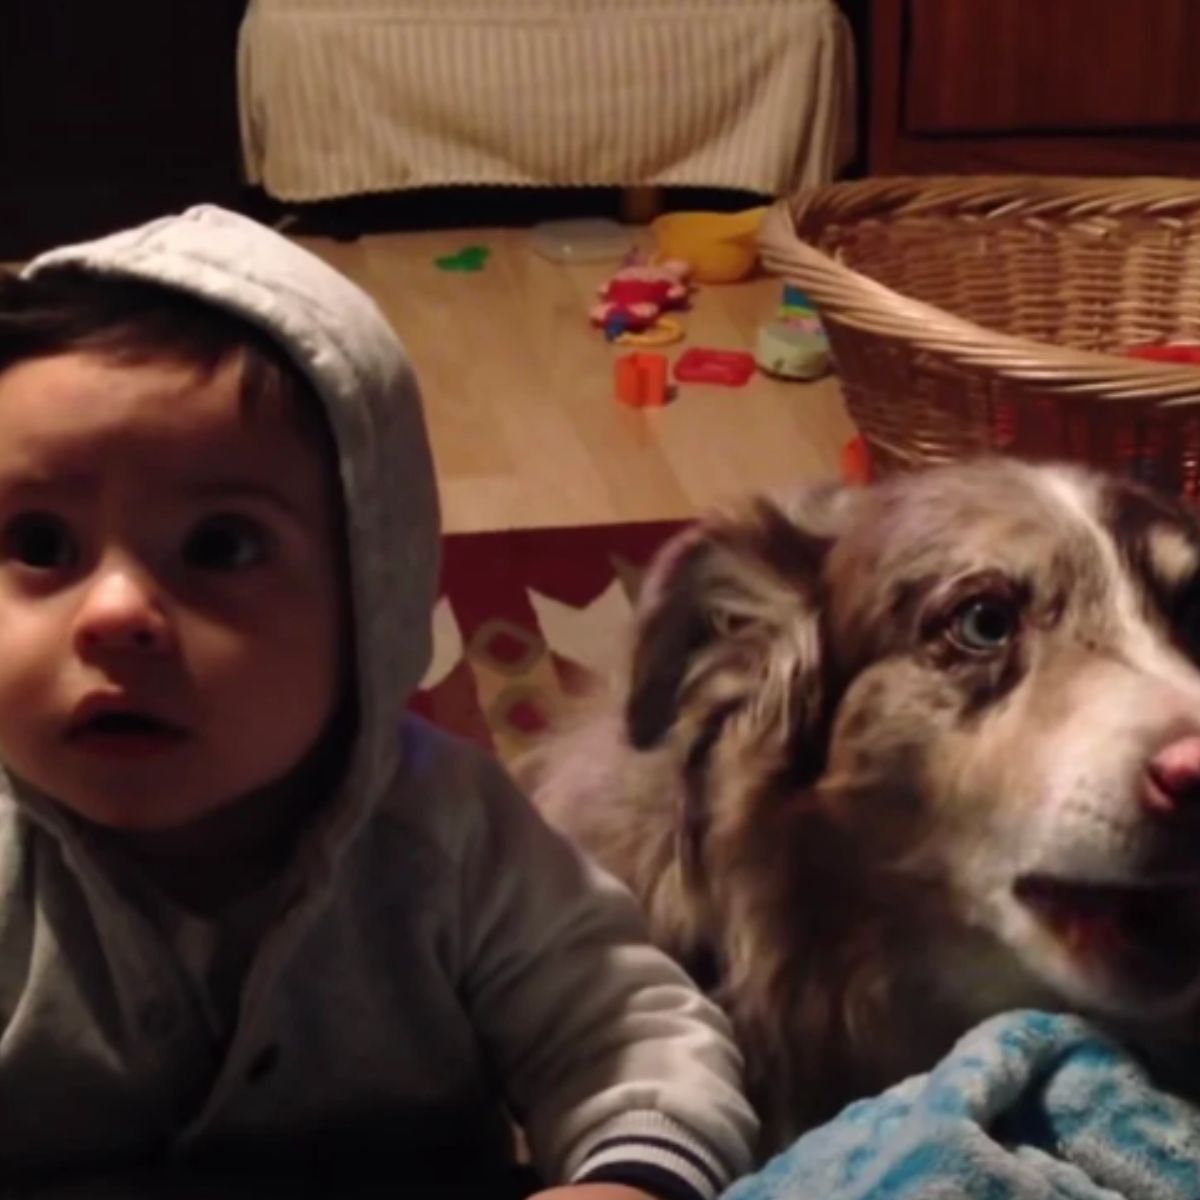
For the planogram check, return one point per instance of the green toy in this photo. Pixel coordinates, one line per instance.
(790, 351)
(469, 258)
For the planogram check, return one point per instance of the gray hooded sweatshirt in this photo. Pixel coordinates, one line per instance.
(444, 964)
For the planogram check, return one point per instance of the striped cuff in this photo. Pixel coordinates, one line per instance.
(650, 1151)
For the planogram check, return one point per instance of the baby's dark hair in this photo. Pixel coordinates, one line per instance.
(66, 310)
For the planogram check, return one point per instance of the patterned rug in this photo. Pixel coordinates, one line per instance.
(528, 618)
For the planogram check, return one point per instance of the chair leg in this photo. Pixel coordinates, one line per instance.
(641, 204)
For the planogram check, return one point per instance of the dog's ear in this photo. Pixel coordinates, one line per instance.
(730, 617)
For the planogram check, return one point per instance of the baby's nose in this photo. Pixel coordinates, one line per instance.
(121, 614)
(1172, 780)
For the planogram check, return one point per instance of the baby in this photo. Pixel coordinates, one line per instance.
(254, 918)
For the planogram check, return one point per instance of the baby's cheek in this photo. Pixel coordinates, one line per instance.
(287, 688)
(28, 672)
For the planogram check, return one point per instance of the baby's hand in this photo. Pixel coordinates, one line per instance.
(593, 1191)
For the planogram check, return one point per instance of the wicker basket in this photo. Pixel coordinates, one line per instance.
(990, 314)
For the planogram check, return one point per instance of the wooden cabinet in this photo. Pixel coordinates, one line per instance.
(111, 113)
(1091, 86)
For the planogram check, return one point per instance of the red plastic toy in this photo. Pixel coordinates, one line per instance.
(856, 462)
(642, 380)
(635, 297)
(733, 368)
(1180, 352)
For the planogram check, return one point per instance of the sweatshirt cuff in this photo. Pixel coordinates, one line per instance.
(653, 1152)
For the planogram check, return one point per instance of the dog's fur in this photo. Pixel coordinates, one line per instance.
(839, 807)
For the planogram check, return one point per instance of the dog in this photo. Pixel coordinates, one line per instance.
(882, 762)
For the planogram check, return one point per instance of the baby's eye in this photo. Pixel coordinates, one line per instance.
(226, 543)
(40, 541)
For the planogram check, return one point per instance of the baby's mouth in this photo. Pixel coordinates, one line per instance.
(124, 732)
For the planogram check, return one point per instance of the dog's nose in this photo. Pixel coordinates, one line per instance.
(1172, 784)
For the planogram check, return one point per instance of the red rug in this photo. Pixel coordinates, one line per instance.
(526, 619)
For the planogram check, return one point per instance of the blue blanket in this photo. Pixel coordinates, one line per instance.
(1027, 1106)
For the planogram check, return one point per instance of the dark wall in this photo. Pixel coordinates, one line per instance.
(858, 13)
(112, 111)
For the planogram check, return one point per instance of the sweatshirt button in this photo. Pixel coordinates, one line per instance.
(262, 1064)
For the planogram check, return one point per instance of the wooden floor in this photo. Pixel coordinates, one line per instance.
(519, 391)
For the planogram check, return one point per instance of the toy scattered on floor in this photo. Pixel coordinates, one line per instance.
(719, 247)
(792, 351)
(664, 332)
(855, 462)
(1184, 353)
(794, 345)
(795, 301)
(796, 309)
(469, 258)
(588, 239)
(635, 297)
(731, 368)
(641, 380)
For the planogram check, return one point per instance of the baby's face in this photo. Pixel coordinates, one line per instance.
(170, 606)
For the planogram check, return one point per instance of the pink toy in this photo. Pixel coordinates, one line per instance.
(733, 368)
(635, 297)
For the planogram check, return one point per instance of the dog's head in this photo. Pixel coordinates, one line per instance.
(968, 700)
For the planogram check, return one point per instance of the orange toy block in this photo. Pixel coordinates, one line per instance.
(641, 380)
(856, 462)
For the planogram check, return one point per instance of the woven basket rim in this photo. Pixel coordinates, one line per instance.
(1048, 196)
(847, 296)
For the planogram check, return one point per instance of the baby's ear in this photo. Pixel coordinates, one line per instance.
(730, 620)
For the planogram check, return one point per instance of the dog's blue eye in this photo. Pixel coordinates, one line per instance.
(984, 625)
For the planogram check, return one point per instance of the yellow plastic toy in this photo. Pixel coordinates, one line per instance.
(663, 332)
(719, 247)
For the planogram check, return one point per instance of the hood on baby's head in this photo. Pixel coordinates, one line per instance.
(337, 336)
